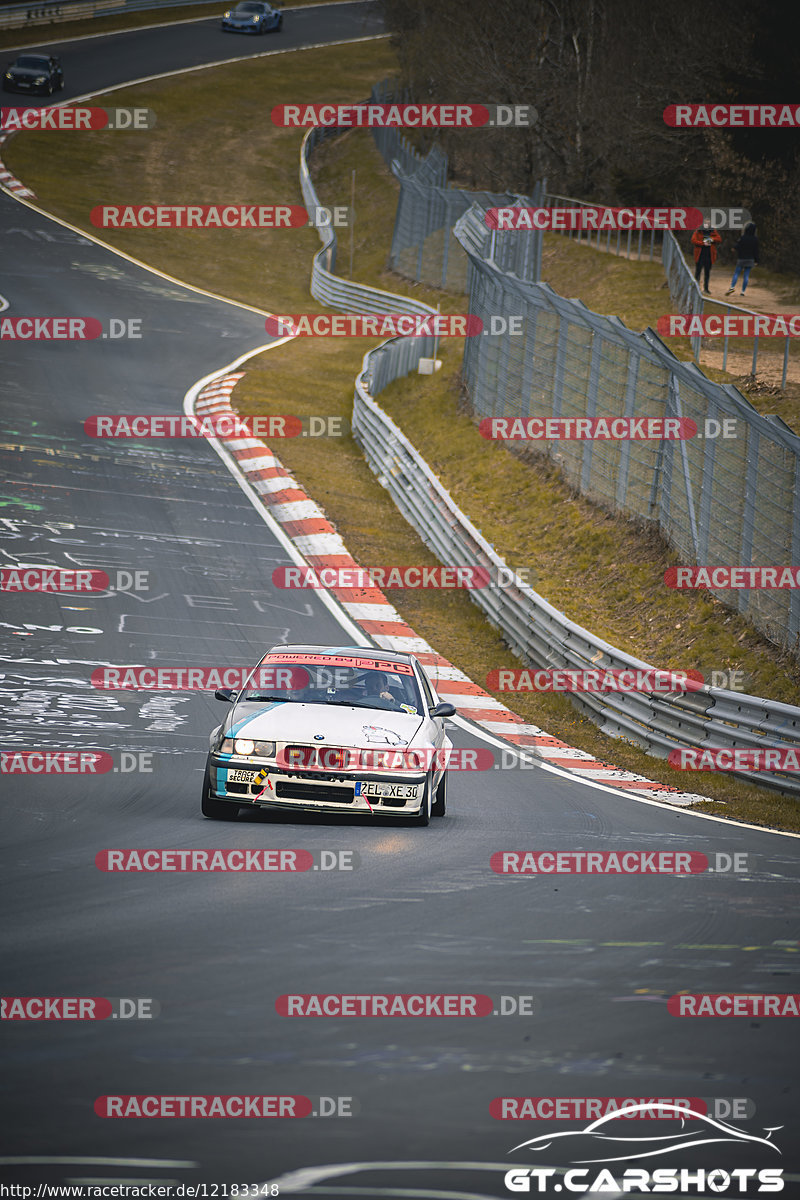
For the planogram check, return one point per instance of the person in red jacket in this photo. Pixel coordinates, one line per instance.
(705, 241)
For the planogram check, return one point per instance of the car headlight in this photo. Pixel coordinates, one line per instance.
(256, 20)
(247, 747)
(40, 79)
(225, 16)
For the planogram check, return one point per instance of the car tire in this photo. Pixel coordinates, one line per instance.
(279, 26)
(50, 89)
(439, 806)
(217, 810)
(423, 817)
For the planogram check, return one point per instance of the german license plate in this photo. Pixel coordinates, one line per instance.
(399, 791)
(241, 776)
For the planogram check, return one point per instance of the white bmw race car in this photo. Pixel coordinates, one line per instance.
(334, 729)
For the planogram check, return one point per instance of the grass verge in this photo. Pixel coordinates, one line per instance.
(188, 158)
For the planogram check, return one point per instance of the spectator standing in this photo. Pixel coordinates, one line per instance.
(746, 257)
(705, 241)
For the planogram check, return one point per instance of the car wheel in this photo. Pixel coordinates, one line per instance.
(217, 810)
(424, 815)
(50, 88)
(279, 26)
(439, 806)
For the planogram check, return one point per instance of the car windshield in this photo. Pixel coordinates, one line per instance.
(31, 60)
(390, 686)
(251, 7)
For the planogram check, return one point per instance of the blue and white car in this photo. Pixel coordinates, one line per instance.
(252, 16)
(331, 729)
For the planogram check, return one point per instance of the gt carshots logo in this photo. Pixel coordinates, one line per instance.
(15, 119)
(704, 1130)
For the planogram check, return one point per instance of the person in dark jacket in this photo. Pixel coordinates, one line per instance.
(705, 242)
(746, 257)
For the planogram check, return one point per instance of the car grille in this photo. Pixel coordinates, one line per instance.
(321, 792)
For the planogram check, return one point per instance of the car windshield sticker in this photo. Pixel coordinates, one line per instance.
(409, 708)
(340, 660)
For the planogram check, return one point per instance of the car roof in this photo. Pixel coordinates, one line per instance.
(356, 651)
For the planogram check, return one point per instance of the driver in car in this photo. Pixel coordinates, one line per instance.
(377, 685)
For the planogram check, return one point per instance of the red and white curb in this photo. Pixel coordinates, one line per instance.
(320, 545)
(9, 182)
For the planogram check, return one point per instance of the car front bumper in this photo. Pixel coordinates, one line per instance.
(17, 85)
(275, 787)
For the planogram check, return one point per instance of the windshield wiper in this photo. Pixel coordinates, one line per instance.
(264, 699)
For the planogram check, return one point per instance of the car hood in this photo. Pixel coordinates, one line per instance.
(244, 18)
(27, 72)
(339, 725)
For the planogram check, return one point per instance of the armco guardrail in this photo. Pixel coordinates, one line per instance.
(329, 288)
(537, 631)
(24, 16)
(534, 629)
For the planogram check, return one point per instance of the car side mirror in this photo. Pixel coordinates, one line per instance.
(443, 709)
(226, 694)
